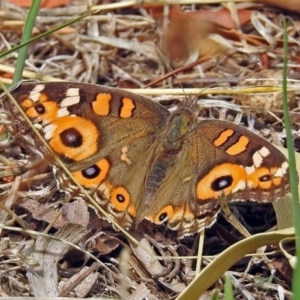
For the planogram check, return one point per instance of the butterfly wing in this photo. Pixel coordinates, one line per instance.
(105, 136)
(217, 157)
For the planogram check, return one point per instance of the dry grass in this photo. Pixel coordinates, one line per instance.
(116, 48)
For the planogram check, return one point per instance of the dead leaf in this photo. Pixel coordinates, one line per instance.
(44, 3)
(292, 5)
(47, 252)
(188, 37)
(153, 265)
(81, 283)
(223, 17)
(102, 243)
(75, 212)
(141, 292)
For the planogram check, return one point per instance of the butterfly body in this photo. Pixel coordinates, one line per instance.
(144, 162)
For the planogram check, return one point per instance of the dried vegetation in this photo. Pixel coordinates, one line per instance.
(123, 47)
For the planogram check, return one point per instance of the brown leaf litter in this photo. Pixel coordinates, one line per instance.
(116, 47)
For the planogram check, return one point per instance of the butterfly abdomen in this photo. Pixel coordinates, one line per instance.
(173, 141)
(161, 166)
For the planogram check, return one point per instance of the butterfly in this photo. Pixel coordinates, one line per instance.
(142, 162)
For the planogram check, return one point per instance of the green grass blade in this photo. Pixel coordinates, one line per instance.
(292, 165)
(210, 274)
(228, 289)
(33, 11)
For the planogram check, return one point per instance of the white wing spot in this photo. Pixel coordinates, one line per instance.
(72, 97)
(281, 171)
(264, 151)
(257, 159)
(72, 92)
(34, 95)
(250, 170)
(124, 156)
(48, 131)
(259, 155)
(62, 112)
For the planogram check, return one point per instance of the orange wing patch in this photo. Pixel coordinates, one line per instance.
(74, 137)
(223, 178)
(92, 176)
(223, 137)
(127, 108)
(44, 109)
(120, 198)
(101, 106)
(239, 147)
